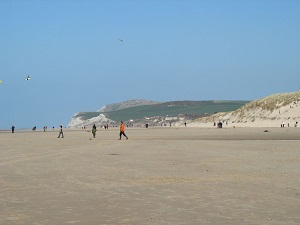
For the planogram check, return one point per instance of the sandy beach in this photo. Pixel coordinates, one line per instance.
(159, 176)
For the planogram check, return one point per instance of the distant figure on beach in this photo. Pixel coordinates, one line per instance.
(61, 132)
(122, 130)
(13, 129)
(94, 130)
(185, 124)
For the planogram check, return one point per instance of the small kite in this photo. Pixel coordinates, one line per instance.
(120, 39)
(0, 81)
(28, 77)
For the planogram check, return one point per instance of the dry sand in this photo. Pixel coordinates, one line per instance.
(158, 176)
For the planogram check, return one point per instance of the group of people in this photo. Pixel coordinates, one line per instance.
(282, 124)
(94, 130)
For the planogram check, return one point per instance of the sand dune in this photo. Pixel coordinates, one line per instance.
(272, 111)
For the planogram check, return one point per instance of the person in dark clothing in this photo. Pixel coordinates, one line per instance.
(13, 129)
(94, 130)
(61, 132)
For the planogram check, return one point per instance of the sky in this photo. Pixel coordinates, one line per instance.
(84, 54)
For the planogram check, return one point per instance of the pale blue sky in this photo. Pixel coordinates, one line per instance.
(171, 50)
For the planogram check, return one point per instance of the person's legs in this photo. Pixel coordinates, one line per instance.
(60, 133)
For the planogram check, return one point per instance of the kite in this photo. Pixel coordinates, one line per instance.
(28, 77)
(120, 39)
(0, 81)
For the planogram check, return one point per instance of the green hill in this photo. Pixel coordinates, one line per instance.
(172, 109)
(151, 113)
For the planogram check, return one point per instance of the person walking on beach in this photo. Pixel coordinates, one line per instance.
(94, 130)
(122, 130)
(61, 132)
(13, 129)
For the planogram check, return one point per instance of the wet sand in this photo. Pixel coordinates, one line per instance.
(158, 176)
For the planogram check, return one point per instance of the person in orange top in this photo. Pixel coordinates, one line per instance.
(122, 130)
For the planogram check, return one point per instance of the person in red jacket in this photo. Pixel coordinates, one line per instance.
(122, 130)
